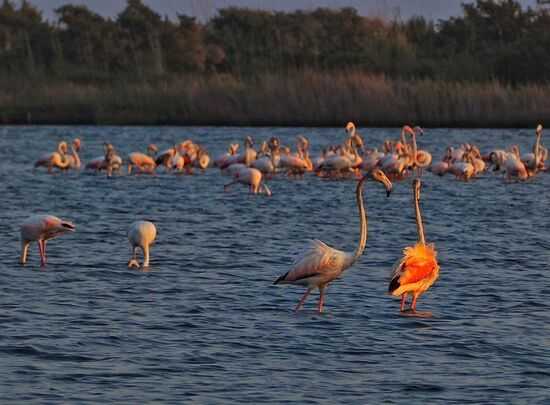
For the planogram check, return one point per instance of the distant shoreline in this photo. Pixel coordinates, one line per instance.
(304, 99)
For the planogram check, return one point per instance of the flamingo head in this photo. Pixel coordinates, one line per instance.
(152, 148)
(350, 127)
(539, 129)
(381, 177)
(62, 147)
(418, 130)
(76, 144)
(233, 148)
(54, 226)
(248, 142)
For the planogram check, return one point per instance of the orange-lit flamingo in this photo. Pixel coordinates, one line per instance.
(418, 269)
(141, 235)
(145, 163)
(41, 228)
(321, 264)
(57, 159)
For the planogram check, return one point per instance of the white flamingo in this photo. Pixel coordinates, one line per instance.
(141, 234)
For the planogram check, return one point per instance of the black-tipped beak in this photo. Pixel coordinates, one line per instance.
(388, 192)
(68, 226)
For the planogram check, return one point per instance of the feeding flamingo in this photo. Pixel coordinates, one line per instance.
(250, 177)
(41, 228)
(418, 269)
(321, 264)
(141, 235)
(145, 163)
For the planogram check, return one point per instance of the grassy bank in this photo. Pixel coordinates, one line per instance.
(302, 99)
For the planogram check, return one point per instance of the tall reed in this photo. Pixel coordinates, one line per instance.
(304, 98)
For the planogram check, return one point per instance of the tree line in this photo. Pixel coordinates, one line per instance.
(492, 40)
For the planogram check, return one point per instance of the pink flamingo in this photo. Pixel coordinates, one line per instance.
(57, 159)
(321, 264)
(41, 228)
(251, 177)
(145, 163)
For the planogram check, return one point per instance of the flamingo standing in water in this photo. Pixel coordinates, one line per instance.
(74, 158)
(321, 264)
(57, 159)
(418, 269)
(249, 176)
(145, 163)
(141, 235)
(41, 228)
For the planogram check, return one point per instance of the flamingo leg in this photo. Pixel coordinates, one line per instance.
(403, 302)
(301, 303)
(42, 251)
(413, 305)
(321, 299)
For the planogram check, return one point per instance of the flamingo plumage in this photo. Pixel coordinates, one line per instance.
(40, 229)
(321, 264)
(418, 269)
(249, 176)
(141, 234)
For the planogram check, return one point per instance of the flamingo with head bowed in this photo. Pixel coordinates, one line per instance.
(145, 163)
(41, 228)
(321, 264)
(418, 269)
(141, 235)
(248, 176)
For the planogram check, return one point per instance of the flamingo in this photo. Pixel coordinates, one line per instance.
(321, 264)
(532, 160)
(74, 158)
(418, 269)
(57, 159)
(110, 161)
(145, 163)
(41, 228)
(141, 235)
(249, 176)
(514, 166)
(354, 137)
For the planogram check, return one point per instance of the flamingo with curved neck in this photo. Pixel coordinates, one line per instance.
(321, 264)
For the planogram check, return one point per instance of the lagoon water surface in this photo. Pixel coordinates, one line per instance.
(206, 325)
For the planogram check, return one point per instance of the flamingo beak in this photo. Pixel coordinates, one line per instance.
(67, 226)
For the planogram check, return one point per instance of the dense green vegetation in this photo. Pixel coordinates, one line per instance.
(490, 66)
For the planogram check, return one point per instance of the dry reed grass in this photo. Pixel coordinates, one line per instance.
(297, 99)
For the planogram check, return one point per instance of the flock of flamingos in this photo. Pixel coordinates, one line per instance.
(320, 264)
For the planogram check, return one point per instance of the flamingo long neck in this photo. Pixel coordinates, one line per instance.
(536, 150)
(419, 223)
(76, 158)
(363, 221)
(414, 148)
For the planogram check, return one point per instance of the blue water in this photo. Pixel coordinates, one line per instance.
(206, 325)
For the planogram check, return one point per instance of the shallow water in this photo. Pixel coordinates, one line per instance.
(206, 325)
